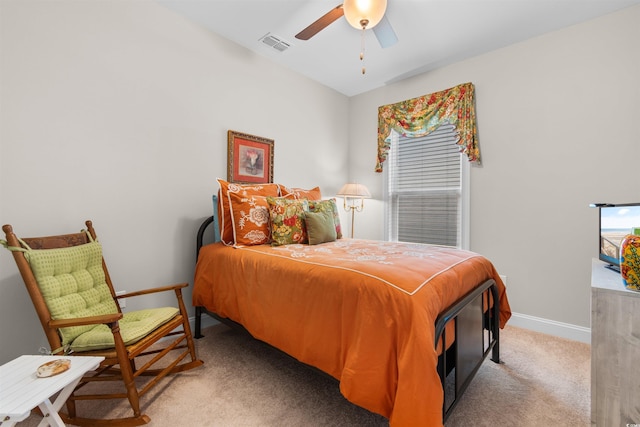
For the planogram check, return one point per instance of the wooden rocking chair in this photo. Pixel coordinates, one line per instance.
(69, 285)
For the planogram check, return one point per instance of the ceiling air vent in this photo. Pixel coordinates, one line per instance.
(275, 42)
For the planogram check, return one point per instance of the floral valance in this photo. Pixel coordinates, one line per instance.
(420, 116)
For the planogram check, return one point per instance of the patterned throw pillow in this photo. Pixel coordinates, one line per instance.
(328, 206)
(287, 220)
(320, 227)
(224, 214)
(300, 193)
(250, 219)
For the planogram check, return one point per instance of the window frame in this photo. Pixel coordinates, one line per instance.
(465, 201)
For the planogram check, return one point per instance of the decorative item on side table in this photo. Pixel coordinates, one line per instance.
(249, 158)
(354, 195)
(630, 261)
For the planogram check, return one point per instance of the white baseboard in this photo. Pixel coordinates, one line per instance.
(551, 327)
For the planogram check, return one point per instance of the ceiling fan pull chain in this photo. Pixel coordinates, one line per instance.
(364, 26)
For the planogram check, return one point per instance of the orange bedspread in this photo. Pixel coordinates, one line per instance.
(362, 311)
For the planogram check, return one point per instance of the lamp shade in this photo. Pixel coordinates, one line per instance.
(370, 10)
(354, 190)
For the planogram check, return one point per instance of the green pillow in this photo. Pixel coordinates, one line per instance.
(320, 227)
(327, 205)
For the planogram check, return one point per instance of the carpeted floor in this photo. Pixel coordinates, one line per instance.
(543, 381)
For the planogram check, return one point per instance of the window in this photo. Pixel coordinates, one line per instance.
(427, 189)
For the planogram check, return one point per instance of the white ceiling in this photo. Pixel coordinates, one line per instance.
(431, 33)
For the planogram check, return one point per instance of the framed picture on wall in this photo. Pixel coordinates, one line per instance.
(249, 158)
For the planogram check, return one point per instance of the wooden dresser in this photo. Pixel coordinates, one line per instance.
(615, 350)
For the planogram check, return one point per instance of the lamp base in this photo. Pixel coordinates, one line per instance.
(353, 212)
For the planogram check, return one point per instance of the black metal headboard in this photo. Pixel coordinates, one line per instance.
(200, 236)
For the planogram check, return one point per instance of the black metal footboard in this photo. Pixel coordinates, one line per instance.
(477, 333)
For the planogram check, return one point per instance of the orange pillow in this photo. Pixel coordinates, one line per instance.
(250, 219)
(224, 214)
(300, 193)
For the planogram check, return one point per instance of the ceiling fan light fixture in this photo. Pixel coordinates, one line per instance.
(356, 11)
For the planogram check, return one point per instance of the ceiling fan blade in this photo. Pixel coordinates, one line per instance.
(385, 34)
(321, 23)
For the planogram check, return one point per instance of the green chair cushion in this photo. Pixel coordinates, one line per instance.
(73, 284)
(133, 327)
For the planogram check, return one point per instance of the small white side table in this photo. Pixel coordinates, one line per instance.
(21, 390)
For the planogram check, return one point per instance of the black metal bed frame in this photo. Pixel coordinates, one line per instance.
(478, 310)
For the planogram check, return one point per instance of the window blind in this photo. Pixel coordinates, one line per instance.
(424, 188)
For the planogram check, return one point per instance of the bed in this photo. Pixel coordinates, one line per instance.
(402, 327)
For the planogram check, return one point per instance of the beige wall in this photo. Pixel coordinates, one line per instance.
(118, 112)
(558, 129)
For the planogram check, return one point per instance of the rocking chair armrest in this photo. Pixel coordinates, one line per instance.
(81, 321)
(153, 290)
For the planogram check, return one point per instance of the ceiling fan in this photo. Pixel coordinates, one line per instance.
(361, 14)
